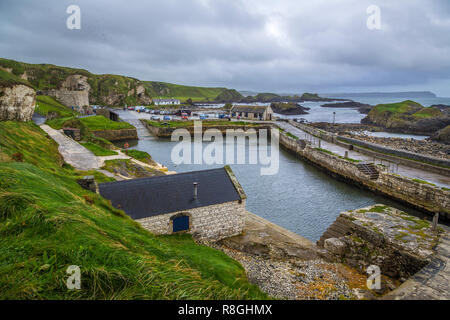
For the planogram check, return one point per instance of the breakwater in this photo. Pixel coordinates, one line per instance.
(410, 159)
(166, 132)
(422, 196)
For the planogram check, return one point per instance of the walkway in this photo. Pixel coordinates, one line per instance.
(402, 169)
(75, 154)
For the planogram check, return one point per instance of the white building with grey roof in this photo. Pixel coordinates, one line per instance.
(209, 204)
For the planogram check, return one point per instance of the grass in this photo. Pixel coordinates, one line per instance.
(98, 150)
(400, 107)
(424, 182)
(7, 79)
(46, 104)
(139, 155)
(181, 92)
(48, 222)
(429, 112)
(95, 123)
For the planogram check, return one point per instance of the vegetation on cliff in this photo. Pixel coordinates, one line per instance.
(183, 93)
(48, 222)
(229, 95)
(408, 116)
(8, 79)
(106, 89)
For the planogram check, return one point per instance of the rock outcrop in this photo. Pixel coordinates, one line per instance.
(290, 108)
(442, 135)
(408, 117)
(74, 91)
(17, 102)
(398, 243)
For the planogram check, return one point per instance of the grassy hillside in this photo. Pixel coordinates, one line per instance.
(46, 104)
(7, 79)
(169, 90)
(106, 89)
(48, 222)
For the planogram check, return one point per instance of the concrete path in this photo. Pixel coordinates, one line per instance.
(403, 170)
(83, 159)
(75, 154)
(430, 283)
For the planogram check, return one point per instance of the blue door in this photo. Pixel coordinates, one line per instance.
(181, 224)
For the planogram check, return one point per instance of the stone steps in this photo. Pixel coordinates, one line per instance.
(369, 169)
(338, 229)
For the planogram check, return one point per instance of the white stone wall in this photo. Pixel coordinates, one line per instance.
(210, 223)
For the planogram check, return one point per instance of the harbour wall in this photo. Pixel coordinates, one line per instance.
(427, 198)
(410, 159)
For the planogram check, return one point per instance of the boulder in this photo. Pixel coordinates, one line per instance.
(17, 102)
(335, 246)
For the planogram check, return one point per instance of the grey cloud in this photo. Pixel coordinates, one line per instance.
(280, 46)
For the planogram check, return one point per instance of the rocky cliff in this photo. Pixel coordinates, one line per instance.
(78, 87)
(17, 102)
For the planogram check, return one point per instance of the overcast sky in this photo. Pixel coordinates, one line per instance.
(289, 46)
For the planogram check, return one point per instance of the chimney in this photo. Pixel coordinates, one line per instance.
(195, 190)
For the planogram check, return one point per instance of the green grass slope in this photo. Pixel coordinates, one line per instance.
(46, 104)
(103, 87)
(181, 92)
(48, 222)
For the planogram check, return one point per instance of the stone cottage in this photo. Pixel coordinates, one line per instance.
(252, 112)
(209, 204)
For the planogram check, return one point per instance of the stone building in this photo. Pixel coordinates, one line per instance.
(107, 114)
(209, 204)
(252, 112)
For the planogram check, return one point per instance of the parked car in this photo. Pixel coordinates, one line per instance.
(202, 117)
(130, 108)
(167, 118)
(155, 118)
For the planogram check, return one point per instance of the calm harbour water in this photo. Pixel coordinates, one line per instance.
(299, 198)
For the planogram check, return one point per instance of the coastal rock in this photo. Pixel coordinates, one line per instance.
(443, 136)
(17, 102)
(335, 246)
(398, 243)
(407, 117)
(289, 108)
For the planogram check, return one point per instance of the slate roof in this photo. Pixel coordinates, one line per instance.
(256, 109)
(141, 198)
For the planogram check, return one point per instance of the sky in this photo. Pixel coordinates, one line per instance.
(284, 46)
